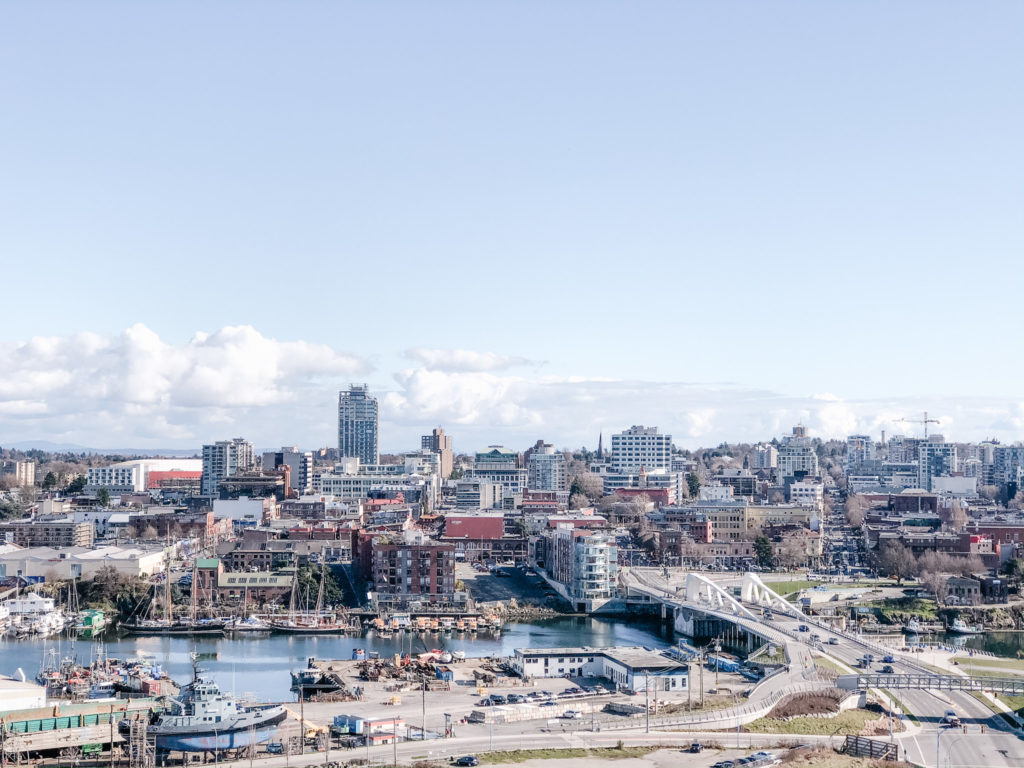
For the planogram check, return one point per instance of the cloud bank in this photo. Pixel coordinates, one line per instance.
(133, 389)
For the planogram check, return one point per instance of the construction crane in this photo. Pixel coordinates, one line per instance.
(925, 421)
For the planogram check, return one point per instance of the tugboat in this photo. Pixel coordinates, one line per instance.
(960, 627)
(203, 719)
(913, 627)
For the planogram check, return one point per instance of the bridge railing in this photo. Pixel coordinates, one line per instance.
(1009, 685)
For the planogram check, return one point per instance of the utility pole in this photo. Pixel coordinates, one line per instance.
(394, 742)
(302, 718)
(423, 714)
(689, 685)
(647, 700)
(701, 659)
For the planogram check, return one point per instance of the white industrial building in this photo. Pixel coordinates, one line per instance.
(133, 476)
(630, 668)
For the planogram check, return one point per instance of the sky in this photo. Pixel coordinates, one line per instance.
(517, 220)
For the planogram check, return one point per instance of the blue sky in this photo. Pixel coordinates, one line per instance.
(689, 213)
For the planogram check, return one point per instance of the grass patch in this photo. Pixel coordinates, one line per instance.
(618, 752)
(970, 662)
(852, 721)
(784, 588)
(829, 664)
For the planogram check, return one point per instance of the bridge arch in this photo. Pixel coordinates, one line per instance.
(700, 589)
(756, 592)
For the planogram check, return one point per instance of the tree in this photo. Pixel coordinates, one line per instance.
(935, 583)
(49, 482)
(763, 550)
(953, 516)
(856, 506)
(578, 501)
(693, 485)
(897, 561)
(989, 492)
(103, 497)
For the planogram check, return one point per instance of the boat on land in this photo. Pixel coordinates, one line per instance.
(202, 718)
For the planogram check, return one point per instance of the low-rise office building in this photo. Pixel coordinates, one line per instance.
(631, 668)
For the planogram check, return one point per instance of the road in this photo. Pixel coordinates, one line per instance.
(985, 741)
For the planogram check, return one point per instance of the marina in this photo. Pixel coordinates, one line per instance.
(259, 664)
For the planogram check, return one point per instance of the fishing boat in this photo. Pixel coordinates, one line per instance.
(202, 718)
(960, 627)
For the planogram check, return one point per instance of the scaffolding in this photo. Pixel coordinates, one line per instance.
(141, 745)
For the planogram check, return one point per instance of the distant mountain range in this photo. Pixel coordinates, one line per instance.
(51, 447)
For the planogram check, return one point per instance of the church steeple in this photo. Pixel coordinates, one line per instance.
(600, 445)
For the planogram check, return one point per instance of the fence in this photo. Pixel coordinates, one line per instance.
(860, 746)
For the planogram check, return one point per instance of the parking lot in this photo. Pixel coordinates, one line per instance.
(506, 582)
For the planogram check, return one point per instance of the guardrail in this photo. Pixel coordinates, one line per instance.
(1012, 686)
(731, 717)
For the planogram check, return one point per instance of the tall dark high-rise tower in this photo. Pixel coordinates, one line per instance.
(358, 420)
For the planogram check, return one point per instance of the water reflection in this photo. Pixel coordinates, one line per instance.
(260, 665)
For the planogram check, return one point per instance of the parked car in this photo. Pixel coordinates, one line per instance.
(497, 699)
(466, 760)
(548, 703)
(275, 748)
(696, 747)
(571, 714)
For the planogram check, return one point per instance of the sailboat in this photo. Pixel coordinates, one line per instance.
(246, 623)
(169, 625)
(305, 623)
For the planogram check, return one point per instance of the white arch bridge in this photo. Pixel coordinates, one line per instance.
(703, 608)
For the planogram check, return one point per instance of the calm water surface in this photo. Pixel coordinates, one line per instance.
(260, 665)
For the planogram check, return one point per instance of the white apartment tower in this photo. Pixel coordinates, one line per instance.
(935, 458)
(546, 469)
(639, 448)
(358, 422)
(224, 459)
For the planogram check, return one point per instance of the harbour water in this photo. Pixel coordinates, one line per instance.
(259, 665)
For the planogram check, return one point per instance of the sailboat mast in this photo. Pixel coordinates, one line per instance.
(167, 590)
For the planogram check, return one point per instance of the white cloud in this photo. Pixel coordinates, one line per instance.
(134, 384)
(463, 360)
(484, 408)
(134, 389)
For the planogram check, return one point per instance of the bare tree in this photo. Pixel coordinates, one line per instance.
(856, 507)
(989, 492)
(578, 501)
(897, 561)
(936, 584)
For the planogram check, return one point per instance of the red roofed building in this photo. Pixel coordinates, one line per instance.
(474, 526)
(173, 480)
